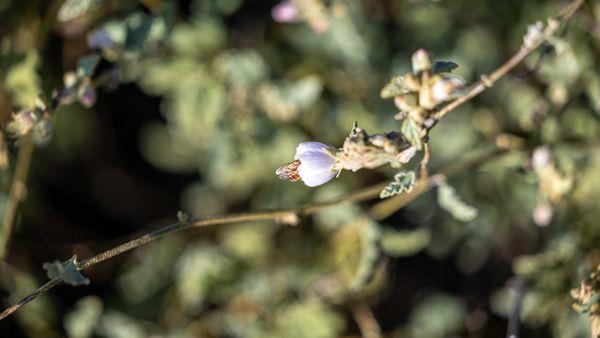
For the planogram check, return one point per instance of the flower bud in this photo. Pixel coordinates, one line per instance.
(314, 164)
(543, 214)
(421, 61)
(285, 12)
(22, 123)
(446, 88)
(406, 102)
(87, 95)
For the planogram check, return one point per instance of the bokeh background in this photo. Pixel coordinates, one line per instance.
(198, 102)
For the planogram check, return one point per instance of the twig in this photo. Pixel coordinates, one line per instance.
(387, 207)
(17, 191)
(292, 213)
(488, 81)
(424, 172)
(367, 324)
(512, 330)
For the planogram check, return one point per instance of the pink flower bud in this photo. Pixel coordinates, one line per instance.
(284, 12)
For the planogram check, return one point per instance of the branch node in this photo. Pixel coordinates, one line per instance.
(486, 81)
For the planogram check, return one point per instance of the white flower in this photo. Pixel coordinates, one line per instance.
(317, 163)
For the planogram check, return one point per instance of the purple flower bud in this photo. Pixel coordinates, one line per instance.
(100, 39)
(317, 163)
(285, 12)
(87, 95)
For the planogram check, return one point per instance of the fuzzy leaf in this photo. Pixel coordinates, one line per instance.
(396, 86)
(87, 64)
(444, 66)
(354, 252)
(412, 131)
(449, 200)
(403, 181)
(405, 243)
(72, 9)
(66, 270)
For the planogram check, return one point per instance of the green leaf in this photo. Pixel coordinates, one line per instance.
(413, 132)
(449, 200)
(87, 64)
(81, 321)
(22, 80)
(72, 9)
(66, 270)
(307, 319)
(405, 243)
(355, 248)
(403, 182)
(395, 87)
(444, 66)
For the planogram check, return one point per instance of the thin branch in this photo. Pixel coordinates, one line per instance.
(488, 81)
(278, 215)
(424, 172)
(282, 215)
(512, 330)
(367, 324)
(387, 207)
(17, 192)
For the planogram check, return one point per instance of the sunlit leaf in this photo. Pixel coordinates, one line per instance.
(404, 181)
(413, 132)
(72, 9)
(403, 243)
(449, 200)
(80, 322)
(395, 87)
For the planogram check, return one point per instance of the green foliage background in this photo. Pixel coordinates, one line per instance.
(200, 101)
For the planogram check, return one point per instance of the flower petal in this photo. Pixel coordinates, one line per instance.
(314, 178)
(305, 147)
(316, 163)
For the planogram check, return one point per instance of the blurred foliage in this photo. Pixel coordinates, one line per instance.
(238, 90)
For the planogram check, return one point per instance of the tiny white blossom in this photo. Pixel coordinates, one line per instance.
(317, 163)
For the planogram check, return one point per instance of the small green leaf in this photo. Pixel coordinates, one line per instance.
(405, 243)
(403, 181)
(87, 64)
(444, 66)
(395, 87)
(413, 132)
(66, 270)
(449, 200)
(354, 131)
